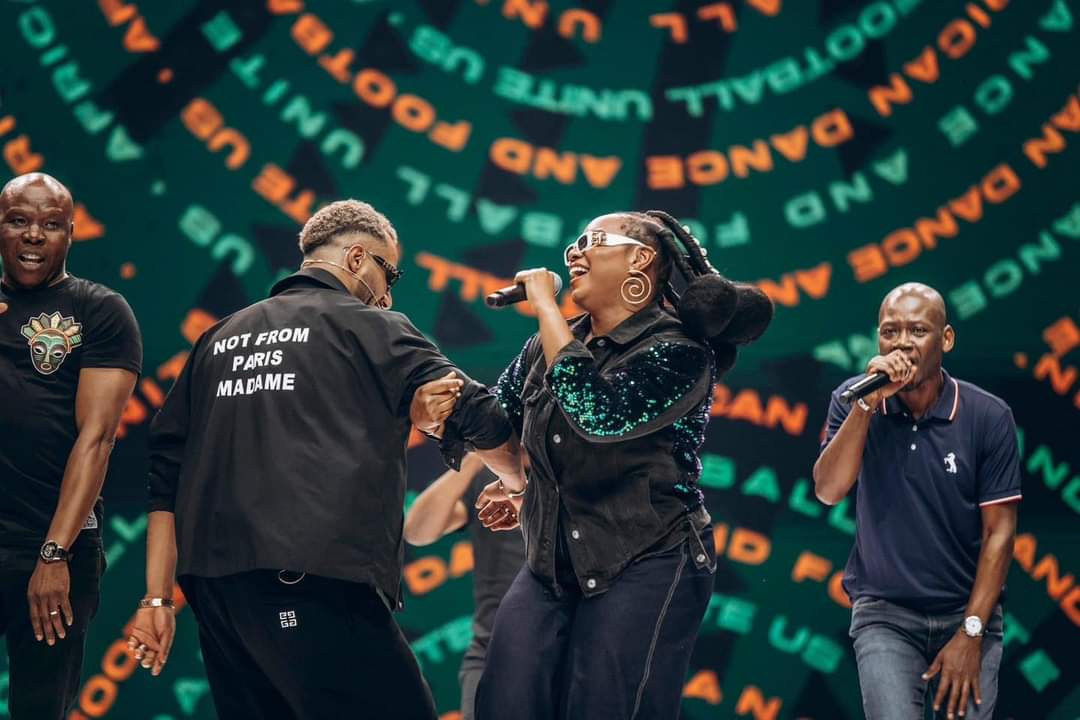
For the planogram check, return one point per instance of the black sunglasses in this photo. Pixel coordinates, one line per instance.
(391, 272)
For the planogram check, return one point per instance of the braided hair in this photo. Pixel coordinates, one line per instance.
(722, 313)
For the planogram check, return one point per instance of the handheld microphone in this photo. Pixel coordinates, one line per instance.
(864, 387)
(516, 293)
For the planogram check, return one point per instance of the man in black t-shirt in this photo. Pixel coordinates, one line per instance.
(448, 504)
(70, 353)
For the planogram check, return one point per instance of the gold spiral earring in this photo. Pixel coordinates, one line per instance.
(636, 288)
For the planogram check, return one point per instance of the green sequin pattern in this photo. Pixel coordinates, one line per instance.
(510, 386)
(631, 397)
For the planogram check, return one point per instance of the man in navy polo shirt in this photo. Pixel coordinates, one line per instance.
(938, 474)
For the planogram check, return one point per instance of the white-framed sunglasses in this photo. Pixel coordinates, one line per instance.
(592, 238)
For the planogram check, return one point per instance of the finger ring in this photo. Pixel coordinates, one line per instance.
(54, 612)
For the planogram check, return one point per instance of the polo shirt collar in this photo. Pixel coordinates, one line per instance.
(945, 409)
(625, 332)
(309, 277)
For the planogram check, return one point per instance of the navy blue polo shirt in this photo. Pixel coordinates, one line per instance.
(919, 493)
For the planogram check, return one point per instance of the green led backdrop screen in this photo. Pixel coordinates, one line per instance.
(826, 149)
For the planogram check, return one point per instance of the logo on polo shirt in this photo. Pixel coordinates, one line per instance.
(950, 463)
(287, 618)
(51, 339)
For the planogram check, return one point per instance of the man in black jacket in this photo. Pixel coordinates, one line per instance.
(277, 484)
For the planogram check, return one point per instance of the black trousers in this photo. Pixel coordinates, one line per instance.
(45, 680)
(622, 655)
(316, 648)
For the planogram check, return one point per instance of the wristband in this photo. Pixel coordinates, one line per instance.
(155, 602)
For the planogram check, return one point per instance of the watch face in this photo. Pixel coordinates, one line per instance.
(48, 550)
(972, 626)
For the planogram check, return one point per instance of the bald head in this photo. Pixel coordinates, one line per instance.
(19, 185)
(920, 294)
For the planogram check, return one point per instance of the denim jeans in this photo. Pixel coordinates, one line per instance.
(895, 645)
(621, 655)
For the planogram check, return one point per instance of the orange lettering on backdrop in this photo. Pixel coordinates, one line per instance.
(721, 11)
(793, 144)
(98, 696)
(665, 172)
(792, 418)
(705, 685)
(957, 39)
(461, 558)
(1069, 117)
(1056, 585)
(868, 262)
(311, 34)
(1000, 184)
(929, 230)
(273, 183)
(452, 136)
(171, 368)
(339, 65)
(786, 293)
(374, 87)
(882, 97)
(706, 167)
(7, 124)
(589, 23)
(742, 158)
(969, 205)
(766, 7)
(413, 113)
(832, 128)
(424, 575)
(1024, 551)
(511, 154)
(812, 566)
(901, 247)
(747, 406)
(561, 166)
(116, 12)
(201, 118)
(119, 663)
(815, 281)
(1049, 366)
(86, 227)
(531, 12)
(139, 39)
(836, 590)
(241, 149)
(20, 158)
(600, 171)
(1071, 606)
(196, 322)
(753, 701)
(924, 68)
(285, 7)
(1038, 148)
(749, 547)
(675, 23)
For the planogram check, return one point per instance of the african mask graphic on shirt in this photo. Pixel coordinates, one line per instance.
(51, 339)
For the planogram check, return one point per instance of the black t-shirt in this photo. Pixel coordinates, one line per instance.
(497, 558)
(47, 336)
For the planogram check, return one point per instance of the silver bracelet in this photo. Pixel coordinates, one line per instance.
(155, 602)
(862, 404)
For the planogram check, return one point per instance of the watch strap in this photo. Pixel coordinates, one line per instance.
(154, 602)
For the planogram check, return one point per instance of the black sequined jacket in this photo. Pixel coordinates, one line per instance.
(612, 431)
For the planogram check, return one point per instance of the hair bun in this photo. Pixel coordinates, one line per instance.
(753, 313)
(707, 306)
